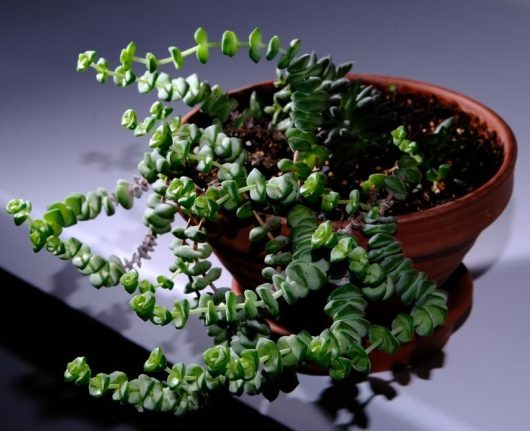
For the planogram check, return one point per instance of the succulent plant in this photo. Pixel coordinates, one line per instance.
(203, 173)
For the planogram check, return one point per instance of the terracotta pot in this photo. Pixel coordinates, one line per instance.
(436, 239)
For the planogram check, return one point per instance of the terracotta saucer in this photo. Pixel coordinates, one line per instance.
(460, 289)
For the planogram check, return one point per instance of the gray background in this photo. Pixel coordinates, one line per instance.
(60, 132)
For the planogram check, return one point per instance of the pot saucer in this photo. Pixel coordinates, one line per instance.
(460, 289)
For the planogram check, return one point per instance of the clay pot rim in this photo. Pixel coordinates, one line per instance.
(469, 105)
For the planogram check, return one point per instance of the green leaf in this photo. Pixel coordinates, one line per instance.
(249, 360)
(407, 279)
(232, 171)
(437, 314)
(399, 137)
(234, 370)
(330, 201)
(180, 313)
(277, 244)
(306, 275)
(323, 348)
(405, 325)
(180, 187)
(358, 261)
(375, 293)
(349, 331)
(231, 310)
(156, 361)
(286, 58)
(269, 356)
(54, 219)
(176, 56)
(257, 233)
(324, 236)
(177, 376)
(314, 158)
(381, 240)
(313, 187)
(68, 216)
(123, 76)
(211, 316)
(300, 140)
(162, 138)
(154, 400)
(15, 206)
(372, 229)
(353, 204)
(264, 292)
(229, 43)
(280, 259)
(85, 59)
(231, 189)
(374, 181)
(201, 37)
(143, 304)
(283, 189)
(360, 359)
(251, 309)
(129, 120)
(345, 292)
(395, 184)
(127, 54)
(374, 275)
(255, 45)
(292, 350)
(273, 47)
(341, 251)
(384, 338)
(124, 194)
(204, 208)
(102, 68)
(411, 290)
(161, 315)
(423, 323)
(129, 280)
(146, 286)
(151, 62)
(216, 359)
(78, 371)
(98, 385)
(340, 368)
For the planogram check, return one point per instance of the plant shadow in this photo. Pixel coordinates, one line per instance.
(127, 160)
(116, 313)
(346, 405)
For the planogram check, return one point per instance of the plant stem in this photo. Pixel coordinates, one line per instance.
(296, 156)
(262, 223)
(187, 52)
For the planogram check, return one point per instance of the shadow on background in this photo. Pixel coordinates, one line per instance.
(127, 160)
(345, 397)
(39, 335)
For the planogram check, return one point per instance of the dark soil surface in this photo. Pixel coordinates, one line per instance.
(472, 151)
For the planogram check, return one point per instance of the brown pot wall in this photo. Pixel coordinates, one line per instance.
(436, 239)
